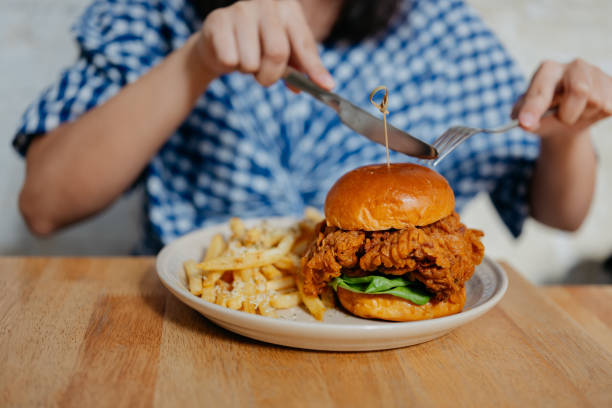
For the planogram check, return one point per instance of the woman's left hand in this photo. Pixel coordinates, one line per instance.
(582, 91)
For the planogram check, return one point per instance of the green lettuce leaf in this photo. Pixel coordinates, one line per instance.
(376, 284)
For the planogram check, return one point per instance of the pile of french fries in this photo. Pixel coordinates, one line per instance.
(257, 270)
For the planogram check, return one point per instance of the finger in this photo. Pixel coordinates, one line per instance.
(275, 46)
(577, 84)
(606, 106)
(602, 91)
(247, 34)
(595, 107)
(219, 40)
(540, 94)
(303, 45)
(517, 107)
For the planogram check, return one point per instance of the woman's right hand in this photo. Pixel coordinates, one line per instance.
(260, 37)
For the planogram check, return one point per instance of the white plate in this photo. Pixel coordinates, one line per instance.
(339, 331)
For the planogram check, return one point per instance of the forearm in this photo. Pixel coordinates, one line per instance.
(81, 167)
(564, 181)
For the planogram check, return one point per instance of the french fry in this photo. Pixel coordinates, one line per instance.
(209, 288)
(223, 296)
(255, 270)
(271, 272)
(328, 298)
(236, 298)
(307, 228)
(272, 238)
(253, 236)
(266, 310)
(215, 248)
(313, 215)
(211, 278)
(313, 303)
(237, 227)
(285, 300)
(194, 277)
(248, 289)
(251, 259)
(249, 307)
(289, 263)
(301, 247)
(235, 302)
(260, 282)
(209, 294)
(282, 283)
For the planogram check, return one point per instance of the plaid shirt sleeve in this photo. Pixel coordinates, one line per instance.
(118, 41)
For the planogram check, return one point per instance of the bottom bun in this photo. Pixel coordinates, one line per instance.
(389, 307)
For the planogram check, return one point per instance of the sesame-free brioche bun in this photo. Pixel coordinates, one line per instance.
(380, 197)
(389, 307)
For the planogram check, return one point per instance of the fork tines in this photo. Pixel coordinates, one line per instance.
(450, 139)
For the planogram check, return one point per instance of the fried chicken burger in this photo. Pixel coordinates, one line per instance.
(392, 246)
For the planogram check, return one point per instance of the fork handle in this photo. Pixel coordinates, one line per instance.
(515, 123)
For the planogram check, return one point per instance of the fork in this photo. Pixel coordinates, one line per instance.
(454, 136)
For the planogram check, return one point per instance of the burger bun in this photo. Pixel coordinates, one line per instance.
(381, 197)
(389, 307)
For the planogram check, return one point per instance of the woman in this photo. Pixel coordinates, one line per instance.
(160, 97)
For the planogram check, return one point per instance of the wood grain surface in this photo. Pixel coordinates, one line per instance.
(105, 332)
(590, 306)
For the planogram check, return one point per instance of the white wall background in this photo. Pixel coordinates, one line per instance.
(35, 45)
(561, 30)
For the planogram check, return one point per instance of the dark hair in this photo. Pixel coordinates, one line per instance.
(358, 18)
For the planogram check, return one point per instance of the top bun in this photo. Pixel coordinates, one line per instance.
(378, 197)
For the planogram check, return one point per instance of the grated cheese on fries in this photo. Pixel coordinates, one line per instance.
(256, 270)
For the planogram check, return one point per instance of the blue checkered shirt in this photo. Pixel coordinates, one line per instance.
(250, 151)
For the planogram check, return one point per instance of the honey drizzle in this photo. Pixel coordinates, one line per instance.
(382, 107)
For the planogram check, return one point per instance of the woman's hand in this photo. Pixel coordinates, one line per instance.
(563, 181)
(582, 91)
(261, 37)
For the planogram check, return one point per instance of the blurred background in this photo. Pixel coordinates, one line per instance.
(36, 44)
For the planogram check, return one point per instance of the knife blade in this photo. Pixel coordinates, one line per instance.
(362, 121)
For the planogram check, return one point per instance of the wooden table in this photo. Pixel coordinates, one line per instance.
(104, 332)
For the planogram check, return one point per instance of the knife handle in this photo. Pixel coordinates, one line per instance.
(301, 82)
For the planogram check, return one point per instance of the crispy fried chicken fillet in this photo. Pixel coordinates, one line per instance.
(441, 256)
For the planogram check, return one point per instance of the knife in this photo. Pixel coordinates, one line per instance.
(361, 121)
